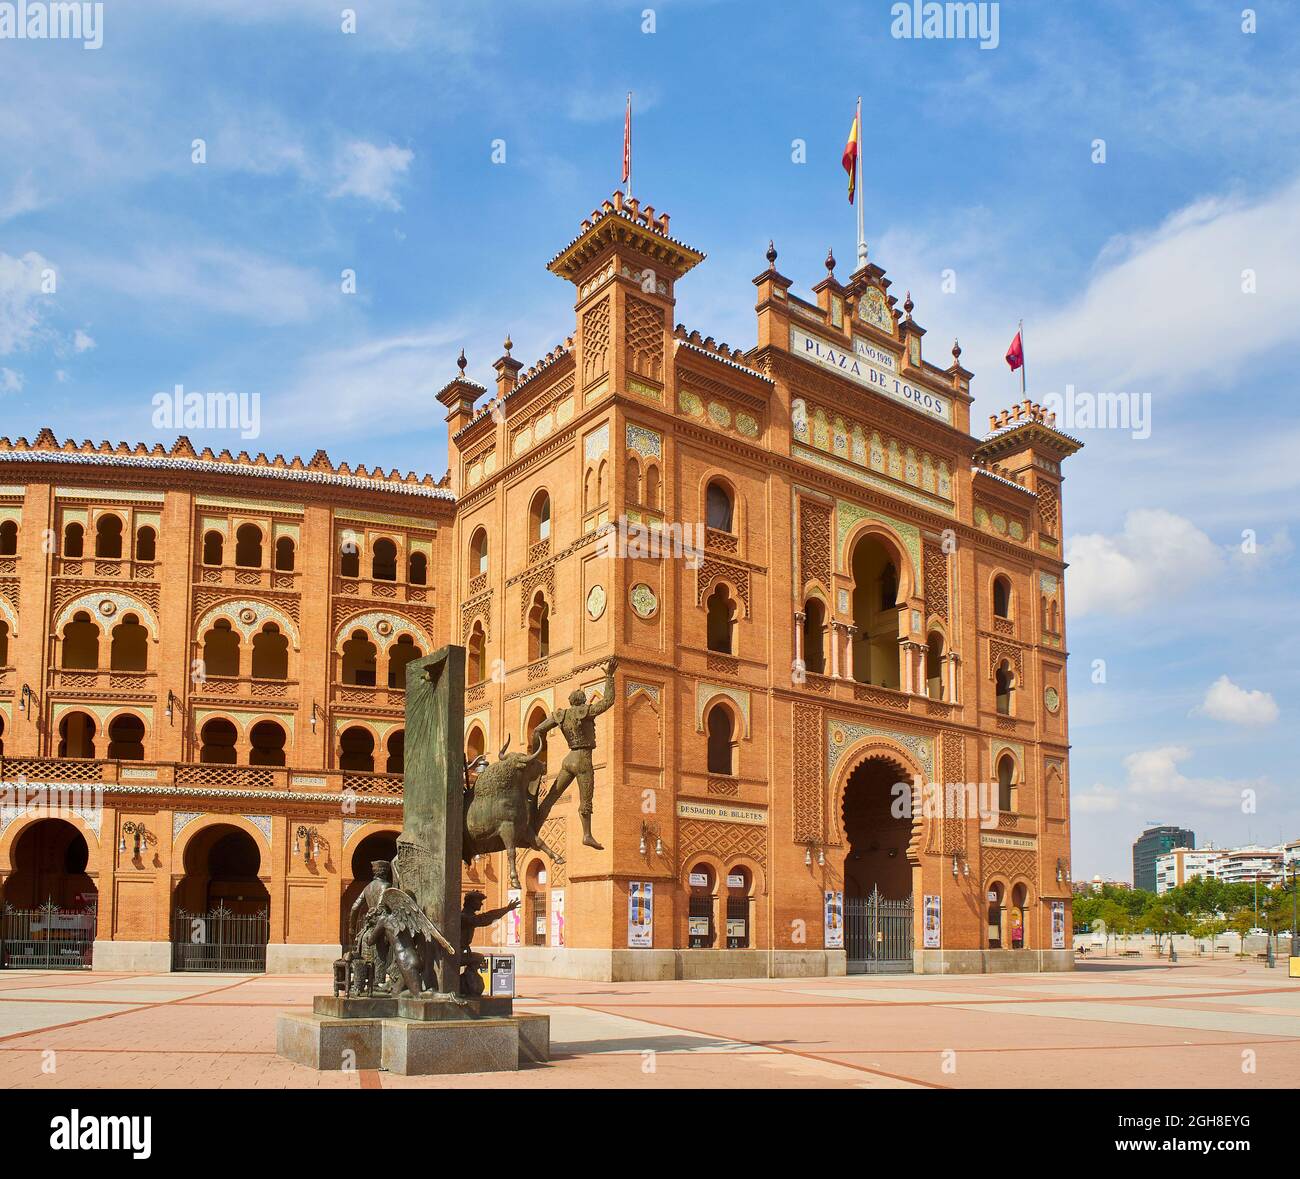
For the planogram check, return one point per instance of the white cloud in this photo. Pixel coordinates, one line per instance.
(21, 298)
(1156, 553)
(1154, 776)
(82, 341)
(23, 199)
(10, 381)
(370, 172)
(1098, 799)
(1226, 701)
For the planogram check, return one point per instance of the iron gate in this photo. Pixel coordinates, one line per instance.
(220, 940)
(48, 938)
(878, 934)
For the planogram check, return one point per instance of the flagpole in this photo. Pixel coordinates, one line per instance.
(1023, 394)
(628, 192)
(862, 234)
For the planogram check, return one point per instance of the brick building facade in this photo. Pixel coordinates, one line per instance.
(818, 583)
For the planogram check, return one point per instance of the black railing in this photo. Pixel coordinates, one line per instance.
(220, 940)
(46, 938)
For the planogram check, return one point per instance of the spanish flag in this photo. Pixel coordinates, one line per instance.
(850, 158)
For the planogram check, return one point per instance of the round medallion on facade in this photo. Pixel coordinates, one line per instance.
(248, 616)
(643, 600)
(384, 628)
(108, 607)
(1052, 698)
(720, 414)
(596, 602)
(747, 425)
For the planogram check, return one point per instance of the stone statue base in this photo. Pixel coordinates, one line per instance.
(429, 1036)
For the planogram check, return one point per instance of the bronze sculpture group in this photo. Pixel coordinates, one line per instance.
(503, 809)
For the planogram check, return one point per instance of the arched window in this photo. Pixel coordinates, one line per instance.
(539, 518)
(359, 660)
(475, 743)
(221, 650)
(478, 552)
(814, 636)
(1016, 922)
(739, 884)
(396, 763)
(602, 482)
(476, 657)
(539, 629)
(588, 489)
(349, 556)
(700, 929)
(399, 655)
(876, 654)
(126, 738)
(81, 643)
(74, 538)
(633, 488)
(217, 741)
(934, 684)
(2, 734)
(720, 620)
(1005, 682)
(417, 569)
(1006, 783)
(357, 750)
(535, 718)
(4, 643)
(214, 548)
(129, 650)
(720, 728)
(8, 538)
(383, 560)
(1002, 597)
(248, 546)
(651, 499)
(284, 554)
(266, 744)
(270, 654)
(997, 899)
(76, 735)
(719, 508)
(108, 537)
(146, 544)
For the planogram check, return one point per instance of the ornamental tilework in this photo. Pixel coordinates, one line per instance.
(596, 444)
(848, 516)
(643, 441)
(262, 823)
(840, 735)
(704, 693)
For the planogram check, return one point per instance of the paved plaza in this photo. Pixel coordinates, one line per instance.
(1220, 1025)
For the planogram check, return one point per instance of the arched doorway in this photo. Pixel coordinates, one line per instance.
(877, 825)
(50, 901)
(378, 845)
(222, 908)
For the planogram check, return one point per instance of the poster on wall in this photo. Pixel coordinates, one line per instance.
(933, 917)
(557, 916)
(1058, 925)
(513, 919)
(834, 921)
(640, 913)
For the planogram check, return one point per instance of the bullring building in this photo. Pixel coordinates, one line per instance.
(840, 734)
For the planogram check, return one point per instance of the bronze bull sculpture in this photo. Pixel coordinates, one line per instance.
(502, 811)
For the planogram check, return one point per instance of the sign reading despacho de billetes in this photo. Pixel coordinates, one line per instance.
(994, 839)
(721, 814)
(866, 365)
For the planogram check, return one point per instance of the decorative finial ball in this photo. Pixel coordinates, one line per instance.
(509, 343)
(907, 303)
(956, 350)
(830, 262)
(461, 362)
(771, 252)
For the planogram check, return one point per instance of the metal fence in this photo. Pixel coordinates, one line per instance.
(46, 938)
(878, 934)
(220, 940)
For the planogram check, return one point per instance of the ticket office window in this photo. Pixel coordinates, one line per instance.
(537, 912)
(996, 898)
(1017, 917)
(739, 924)
(700, 931)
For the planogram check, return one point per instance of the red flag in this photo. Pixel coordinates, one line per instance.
(1016, 353)
(850, 158)
(627, 142)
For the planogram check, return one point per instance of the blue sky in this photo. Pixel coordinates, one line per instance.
(372, 151)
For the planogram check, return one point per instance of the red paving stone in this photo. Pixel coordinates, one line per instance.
(1219, 1025)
